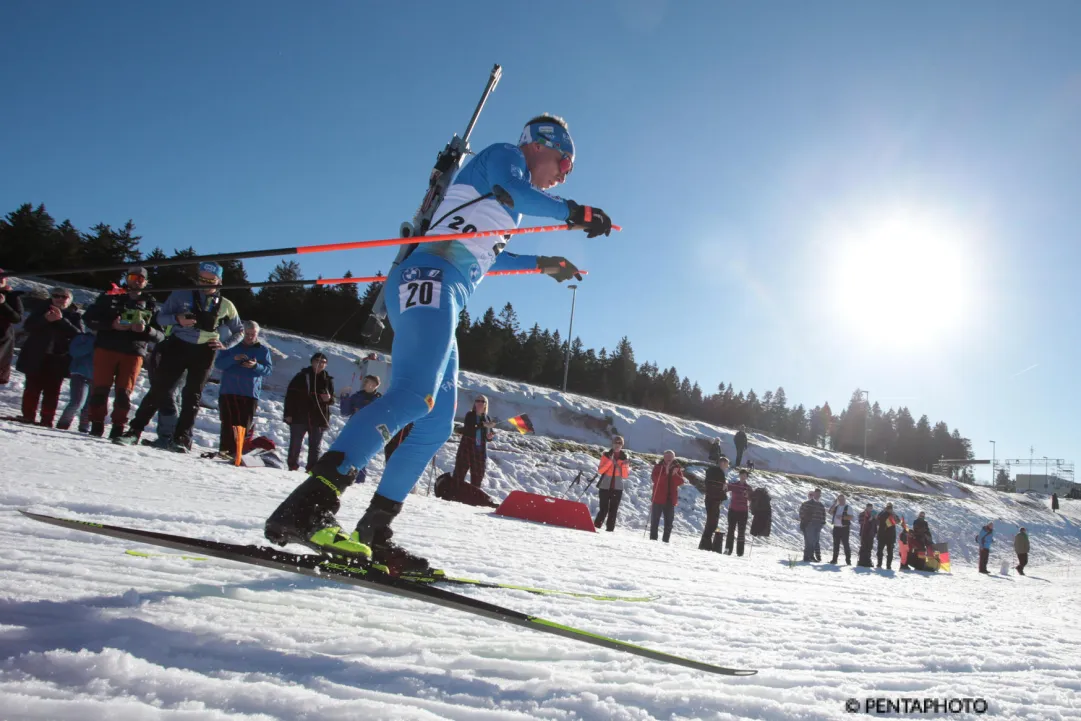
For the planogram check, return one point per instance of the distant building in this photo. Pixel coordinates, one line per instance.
(1043, 484)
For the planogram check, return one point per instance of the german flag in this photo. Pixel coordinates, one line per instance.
(942, 552)
(522, 423)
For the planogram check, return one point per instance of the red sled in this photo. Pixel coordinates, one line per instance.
(545, 509)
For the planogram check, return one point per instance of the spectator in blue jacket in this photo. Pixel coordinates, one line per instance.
(350, 403)
(243, 369)
(984, 538)
(82, 377)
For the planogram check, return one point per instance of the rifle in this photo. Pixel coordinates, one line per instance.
(447, 164)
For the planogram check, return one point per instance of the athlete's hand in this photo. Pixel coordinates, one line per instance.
(593, 221)
(558, 267)
(214, 344)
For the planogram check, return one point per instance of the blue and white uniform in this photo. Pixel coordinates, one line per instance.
(425, 294)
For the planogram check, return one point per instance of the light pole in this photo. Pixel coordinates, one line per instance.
(1046, 480)
(866, 413)
(570, 335)
(994, 480)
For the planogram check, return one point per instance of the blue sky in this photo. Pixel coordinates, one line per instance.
(816, 196)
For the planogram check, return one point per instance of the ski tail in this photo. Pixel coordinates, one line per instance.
(334, 569)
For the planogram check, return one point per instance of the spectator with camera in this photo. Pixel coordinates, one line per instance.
(243, 369)
(197, 316)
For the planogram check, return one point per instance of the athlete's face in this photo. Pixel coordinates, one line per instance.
(548, 167)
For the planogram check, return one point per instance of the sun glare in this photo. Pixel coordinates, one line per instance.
(901, 278)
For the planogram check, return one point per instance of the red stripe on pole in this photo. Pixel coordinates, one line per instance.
(304, 249)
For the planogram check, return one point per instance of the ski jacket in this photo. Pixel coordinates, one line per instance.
(490, 193)
(740, 493)
(887, 526)
(740, 441)
(475, 431)
(1020, 542)
(302, 403)
(11, 312)
(985, 537)
(238, 380)
(348, 405)
(81, 350)
(666, 483)
(612, 472)
(141, 309)
(48, 342)
(1054, 501)
(716, 486)
(922, 532)
(211, 312)
(868, 525)
(812, 513)
(840, 516)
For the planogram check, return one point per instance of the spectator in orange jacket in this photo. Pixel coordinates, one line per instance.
(613, 472)
(667, 478)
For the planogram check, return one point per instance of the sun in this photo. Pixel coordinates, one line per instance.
(900, 278)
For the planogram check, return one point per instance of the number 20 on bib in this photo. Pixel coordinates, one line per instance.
(420, 288)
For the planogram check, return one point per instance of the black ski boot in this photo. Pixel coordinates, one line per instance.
(307, 515)
(97, 428)
(116, 431)
(374, 531)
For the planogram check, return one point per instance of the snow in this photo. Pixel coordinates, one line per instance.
(90, 632)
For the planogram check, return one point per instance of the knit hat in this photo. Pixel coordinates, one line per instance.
(317, 356)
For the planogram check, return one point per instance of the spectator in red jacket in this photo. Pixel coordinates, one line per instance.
(739, 494)
(667, 478)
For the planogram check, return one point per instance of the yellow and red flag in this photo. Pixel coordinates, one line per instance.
(942, 553)
(522, 423)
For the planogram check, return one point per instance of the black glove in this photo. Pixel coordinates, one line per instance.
(593, 221)
(559, 268)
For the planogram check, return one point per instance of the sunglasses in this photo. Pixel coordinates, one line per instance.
(134, 277)
(566, 164)
(60, 295)
(207, 281)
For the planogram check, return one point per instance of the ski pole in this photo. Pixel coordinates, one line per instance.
(303, 250)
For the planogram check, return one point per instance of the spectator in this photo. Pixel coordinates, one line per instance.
(613, 474)
(196, 316)
(841, 517)
(349, 402)
(472, 455)
(716, 494)
(761, 512)
(667, 478)
(307, 410)
(887, 535)
(243, 369)
(11, 313)
(81, 373)
(125, 324)
(715, 452)
(868, 529)
(812, 516)
(984, 539)
(1054, 502)
(920, 544)
(167, 411)
(44, 357)
(739, 499)
(741, 444)
(1020, 547)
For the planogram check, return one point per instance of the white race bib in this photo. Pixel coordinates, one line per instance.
(420, 288)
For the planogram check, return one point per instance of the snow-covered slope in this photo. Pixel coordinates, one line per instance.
(89, 632)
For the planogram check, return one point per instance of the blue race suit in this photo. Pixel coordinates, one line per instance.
(425, 295)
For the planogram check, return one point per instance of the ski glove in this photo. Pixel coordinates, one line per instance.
(593, 221)
(558, 267)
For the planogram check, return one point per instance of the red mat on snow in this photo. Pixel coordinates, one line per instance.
(545, 509)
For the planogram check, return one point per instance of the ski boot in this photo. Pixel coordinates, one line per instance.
(374, 531)
(131, 438)
(307, 515)
(116, 431)
(97, 429)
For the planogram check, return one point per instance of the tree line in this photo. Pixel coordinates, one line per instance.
(496, 344)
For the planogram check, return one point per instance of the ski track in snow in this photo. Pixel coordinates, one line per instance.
(89, 632)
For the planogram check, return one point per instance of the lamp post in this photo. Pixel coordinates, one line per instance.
(1046, 480)
(994, 480)
(866, 413)
(570, 335)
